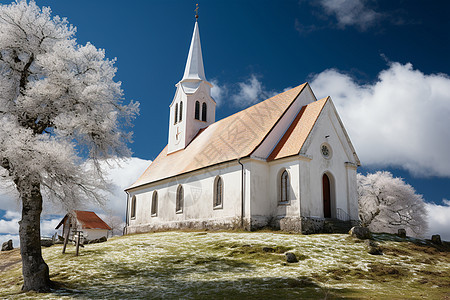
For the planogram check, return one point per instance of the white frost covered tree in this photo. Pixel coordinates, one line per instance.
(387, 204)
(59, 106)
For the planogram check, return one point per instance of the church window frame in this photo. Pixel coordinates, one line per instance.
(284, 186)
(218, 193)
(154, 206)
(179, 203)
(176, 114)
(197, 110)
(204, 111)
(133, 208)
(180, 118)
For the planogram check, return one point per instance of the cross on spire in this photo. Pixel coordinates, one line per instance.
(196, 11)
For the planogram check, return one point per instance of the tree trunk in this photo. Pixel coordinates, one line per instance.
(34, 269)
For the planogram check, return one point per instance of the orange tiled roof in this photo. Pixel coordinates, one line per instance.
(294, 138)
(88, 220)
(231, 138)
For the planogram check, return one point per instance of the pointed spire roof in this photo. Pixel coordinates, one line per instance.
(194, 65)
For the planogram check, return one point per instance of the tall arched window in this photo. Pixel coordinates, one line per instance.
(180, 200)
(284, 192)
(218, 192)
(133, 207)
(155, 204)
(176, 114)
(204, 111)
(197, 110)
(181, 111)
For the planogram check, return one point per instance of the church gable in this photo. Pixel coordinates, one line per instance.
(329, 131)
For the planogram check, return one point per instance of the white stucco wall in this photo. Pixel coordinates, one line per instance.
(92, 234)
(198, 199)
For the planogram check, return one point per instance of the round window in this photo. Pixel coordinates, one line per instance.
(325, 150)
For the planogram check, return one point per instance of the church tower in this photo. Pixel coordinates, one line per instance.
(192, 108)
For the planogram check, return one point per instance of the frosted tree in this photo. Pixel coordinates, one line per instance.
(59, 106)
(387, 204)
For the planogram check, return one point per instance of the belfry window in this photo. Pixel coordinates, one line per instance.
(284, 186)
(181, 112)
(218, 192)
(154, 210)
(197, 110)
(176, 114)
(180, 200)
(204, 111)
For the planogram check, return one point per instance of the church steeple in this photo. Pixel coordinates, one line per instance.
(194, 65)
(192, 108)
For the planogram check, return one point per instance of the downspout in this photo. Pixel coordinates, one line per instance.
(242, 193)
(126, 216)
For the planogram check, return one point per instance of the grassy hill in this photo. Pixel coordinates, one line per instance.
(251, 265)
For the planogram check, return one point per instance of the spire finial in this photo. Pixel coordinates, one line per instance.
(196, 11)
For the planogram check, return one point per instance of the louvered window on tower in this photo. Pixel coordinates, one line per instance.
(176, 114)
(197, 110)
(181, 111)
(204, 111)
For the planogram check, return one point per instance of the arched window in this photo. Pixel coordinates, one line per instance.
(218, 192)
(155, 204)
(284, 191)
(180, 200)
(181, 111)
(204, 111)
(197, 110)
(133, 207)
(176, 114)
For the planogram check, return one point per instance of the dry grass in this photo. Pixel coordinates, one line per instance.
(200, 265)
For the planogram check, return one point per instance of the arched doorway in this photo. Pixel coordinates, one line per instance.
(326, 192)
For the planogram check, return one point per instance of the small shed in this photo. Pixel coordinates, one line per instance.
(86, 221)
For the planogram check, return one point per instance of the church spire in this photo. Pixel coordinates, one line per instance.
(194, 65)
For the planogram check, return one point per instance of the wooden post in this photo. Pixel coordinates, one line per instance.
(78, 243)
(66, 239)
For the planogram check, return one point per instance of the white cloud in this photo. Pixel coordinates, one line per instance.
(251, 92)
(218, 92)
(401, 120)
(351, 12)
(9, 226)
(439, 219)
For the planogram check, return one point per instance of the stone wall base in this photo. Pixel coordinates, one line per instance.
(223, 224)
(304, 225)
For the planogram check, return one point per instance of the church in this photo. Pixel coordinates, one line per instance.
(286, 162)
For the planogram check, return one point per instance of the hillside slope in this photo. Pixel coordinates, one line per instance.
(211, 265)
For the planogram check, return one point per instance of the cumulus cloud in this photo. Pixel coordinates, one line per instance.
(439, 220)
(218, 92)
(401, 120)
(351, 12)
(251, 92)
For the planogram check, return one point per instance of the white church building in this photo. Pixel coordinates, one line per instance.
(286, 162)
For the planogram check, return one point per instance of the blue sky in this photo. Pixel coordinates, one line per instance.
(384, 63)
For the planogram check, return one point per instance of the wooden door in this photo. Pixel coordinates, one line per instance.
(326, 196)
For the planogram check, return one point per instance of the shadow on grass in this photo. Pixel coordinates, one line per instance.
(244, 288)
